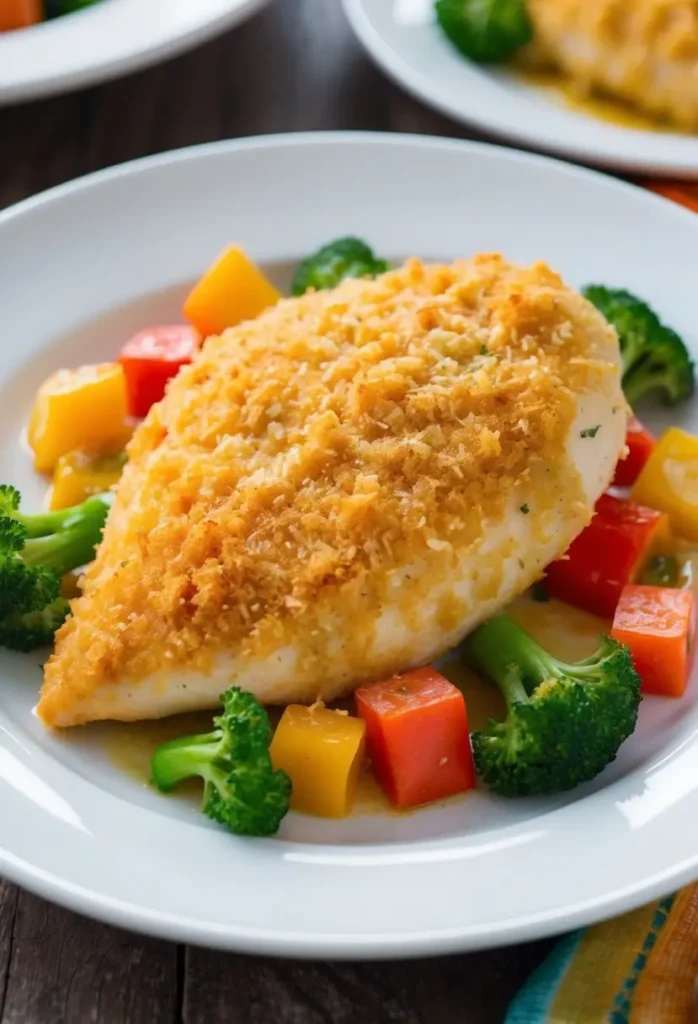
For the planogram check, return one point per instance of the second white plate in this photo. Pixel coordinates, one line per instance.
(403, 38)
(110, 39)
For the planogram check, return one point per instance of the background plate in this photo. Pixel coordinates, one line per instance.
(86, 264)
(403, 39)
(113, 38)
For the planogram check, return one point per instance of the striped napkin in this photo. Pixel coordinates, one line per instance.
(641, 968)
(637, 969)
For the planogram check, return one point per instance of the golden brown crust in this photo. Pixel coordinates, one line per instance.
(642, 51)
(336, 437)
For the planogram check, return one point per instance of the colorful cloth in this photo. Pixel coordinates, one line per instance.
(637, 969)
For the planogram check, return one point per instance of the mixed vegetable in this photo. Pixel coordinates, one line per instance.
(654, 356)
(24, 13)
(241, 788)
(346, 257)
(562, 723)
(486, 31)
(35, 552)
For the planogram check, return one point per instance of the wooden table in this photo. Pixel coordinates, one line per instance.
(294, 67)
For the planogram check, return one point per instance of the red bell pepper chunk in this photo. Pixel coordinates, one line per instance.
(640, 444)
(417, 736)
(151, 358)
(606, 555)
(658, 624)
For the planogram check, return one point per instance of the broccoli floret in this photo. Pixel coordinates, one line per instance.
(564, 724)
(241, 788)
(654, 356)
(346, 257)
(486, 31)
(35, 551)
(56, 8)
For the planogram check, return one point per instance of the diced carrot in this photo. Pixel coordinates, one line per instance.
(658, 625)
(418, 738)
(20, 14)
(606, 555)
(640, 444)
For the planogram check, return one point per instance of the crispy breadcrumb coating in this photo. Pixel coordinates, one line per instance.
(307, 455)
(644, 52)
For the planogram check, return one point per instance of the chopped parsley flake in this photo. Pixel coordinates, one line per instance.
(590, 431)
(525, 509)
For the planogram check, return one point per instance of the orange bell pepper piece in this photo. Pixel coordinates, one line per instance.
(658, 625)
(231, 291)
(20, 14)
(418, 737)
(606, 555)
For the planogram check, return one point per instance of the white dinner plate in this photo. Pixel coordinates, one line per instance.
(404, 39)
(87, 264)
(115, 37)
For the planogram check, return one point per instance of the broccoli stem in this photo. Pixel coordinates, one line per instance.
(42, 524)
(510, 657)
(65, 539)
(184, 757)
(64, 551)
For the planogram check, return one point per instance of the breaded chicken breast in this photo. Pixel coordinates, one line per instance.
(342, 489)
(642, 51)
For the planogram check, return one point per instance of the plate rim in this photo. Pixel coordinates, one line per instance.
(289, 943)
(291, 139)
(420, 88)
(122, 63)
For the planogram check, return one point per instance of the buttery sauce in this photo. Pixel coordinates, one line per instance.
(566, 632)
(130, 747)
(564, 92)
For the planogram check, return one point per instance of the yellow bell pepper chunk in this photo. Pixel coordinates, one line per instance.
(84, 408)
(322, 752)
(669, 481)
(232, 290)
(79, 475)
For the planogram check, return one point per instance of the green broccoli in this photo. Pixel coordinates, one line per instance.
(564, 724)
(346, 257)
(241, 788)
(35, 551)
(486, 31)
(56, 8)
(654, 356)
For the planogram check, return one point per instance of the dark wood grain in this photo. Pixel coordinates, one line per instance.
(294, 67)
(473, 989)
(66, 968)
